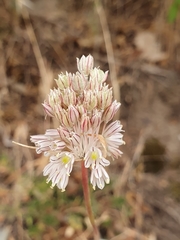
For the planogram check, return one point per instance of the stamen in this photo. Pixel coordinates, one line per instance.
(65, 159)
(94, 156)
(104, 145)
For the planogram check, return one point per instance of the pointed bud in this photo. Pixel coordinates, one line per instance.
(85, 123)
(111, 111)
(104, 98)
(54, 97)
(90, 100)
(64, 118)
(63, 81)
(81, 110)
(96, 120)
(78, 82)
(73, 114)
(48, 109)
(57, 111)
(63, 133)
(69, 97)
(97, 77)
(85, 64)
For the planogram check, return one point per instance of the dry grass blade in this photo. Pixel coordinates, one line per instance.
(109, 49)
(45, 72)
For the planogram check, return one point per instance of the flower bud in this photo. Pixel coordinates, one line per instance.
(78, 82)
(73, 114)
(64, 118)
(104, 98)
(111, 111)
(63, 133)
(57, 111)
(69, 97)
(81, 110)
(63, 81)
(85, 124)
(85, 64)
(48, 109)
(54, 97)
(96, 120)
(90, 100)
(97, 77)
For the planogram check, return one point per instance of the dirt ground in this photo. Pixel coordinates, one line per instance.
(139, 45)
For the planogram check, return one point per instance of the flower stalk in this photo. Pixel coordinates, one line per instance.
(87, 200)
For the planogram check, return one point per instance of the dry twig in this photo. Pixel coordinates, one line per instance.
(109, 49)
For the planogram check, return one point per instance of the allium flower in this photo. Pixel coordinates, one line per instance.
(83, 106)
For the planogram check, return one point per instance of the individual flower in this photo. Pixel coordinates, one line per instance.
(48, 143)
(94, 158)
(113, 138)
(99, 177)
(59, 169)
(83, 105)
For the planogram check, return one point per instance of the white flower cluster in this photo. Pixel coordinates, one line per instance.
(83, 104)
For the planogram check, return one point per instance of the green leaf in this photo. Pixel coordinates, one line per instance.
(173, 11)
(119, 202)
(50, 220)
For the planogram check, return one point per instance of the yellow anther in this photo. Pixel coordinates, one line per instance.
(94, 156)
(65, 159)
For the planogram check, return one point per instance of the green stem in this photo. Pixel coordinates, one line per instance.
(88, 200)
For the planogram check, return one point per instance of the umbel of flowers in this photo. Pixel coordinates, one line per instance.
(84, 107)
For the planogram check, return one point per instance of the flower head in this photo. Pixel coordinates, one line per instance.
(82, 103)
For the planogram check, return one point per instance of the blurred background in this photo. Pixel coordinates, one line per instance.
(139, 41)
